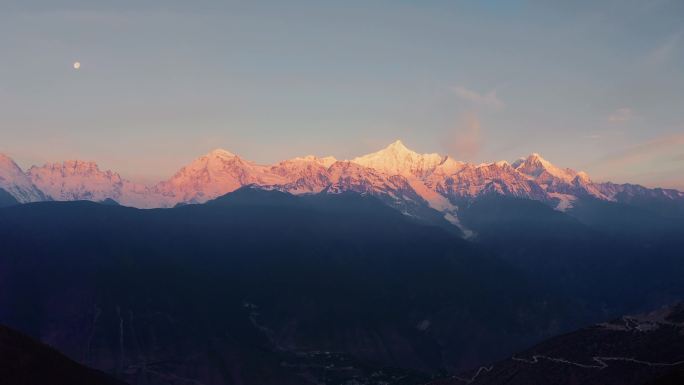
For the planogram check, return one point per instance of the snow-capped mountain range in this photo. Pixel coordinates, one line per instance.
(402, 178)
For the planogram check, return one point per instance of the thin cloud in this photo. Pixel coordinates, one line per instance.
(664, 52)
(466, 141)
(621, 115)
(651, 163)
(489, 99)
(647, 150)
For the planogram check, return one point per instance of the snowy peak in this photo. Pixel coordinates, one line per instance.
(76, 180)
(212, 164)
(220, 153)
(303, 175)
(557, 180)
(395, 190)
(215, 160)
(583, 177)
(396, 159)
(8, 166)
(398, 146)
(79, 180)
(500, 178)
(15, 182)
(325, 161)
(4, 160)
(448, 167)
(71, 168)
(537, 167)
(214, 174)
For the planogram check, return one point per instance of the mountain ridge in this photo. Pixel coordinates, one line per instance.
(259, 285)
(631, 350)
(414, 183)
(29, 362)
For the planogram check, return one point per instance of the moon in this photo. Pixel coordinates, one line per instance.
(77, 65)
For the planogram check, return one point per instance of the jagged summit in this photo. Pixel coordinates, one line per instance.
(84, 180)
(326, 161)
(211, 175)
(534, 157)
(556, 180)
(70, 165)
(536, 166)
(397, 159)
(398, 145)
(583, 175)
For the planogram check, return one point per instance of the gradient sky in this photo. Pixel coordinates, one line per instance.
(592, 85)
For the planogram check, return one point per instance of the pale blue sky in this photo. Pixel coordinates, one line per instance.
(593, 85)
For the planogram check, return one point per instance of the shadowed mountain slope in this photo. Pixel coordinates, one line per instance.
(6, 199)
(25, 361)
(633, 350)
(256, 287)
(616, 259)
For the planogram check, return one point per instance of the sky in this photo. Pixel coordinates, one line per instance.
(592, 85)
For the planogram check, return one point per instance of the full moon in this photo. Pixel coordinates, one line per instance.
(77, 65)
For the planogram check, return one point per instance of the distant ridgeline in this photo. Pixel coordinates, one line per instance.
(431, 187)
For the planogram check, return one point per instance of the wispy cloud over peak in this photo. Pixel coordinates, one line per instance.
(466, 141)
(488, 99)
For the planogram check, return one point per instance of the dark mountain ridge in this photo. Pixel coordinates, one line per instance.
(616, 259)
(25, 361)
(631, 350)
(256, 287)
(6, 199)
